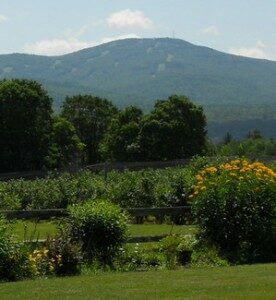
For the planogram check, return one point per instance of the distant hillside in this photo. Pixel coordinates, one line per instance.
(139, 71)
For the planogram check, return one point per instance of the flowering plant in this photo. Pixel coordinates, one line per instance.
(42, 263)
(234, 204)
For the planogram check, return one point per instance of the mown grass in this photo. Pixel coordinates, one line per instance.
(240, 282)
(41, 230)
(26, 230)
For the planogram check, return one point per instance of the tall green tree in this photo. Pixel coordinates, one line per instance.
(65, 146)
(25, 125)
(91, 117)
(174, 129)
(121, 141)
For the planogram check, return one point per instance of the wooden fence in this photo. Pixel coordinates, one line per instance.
(47, 214)
(107, 167)
(104, 167)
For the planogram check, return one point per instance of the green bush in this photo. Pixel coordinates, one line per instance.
(138, 257)
(67, 251)
(101, 226)
(177, 249)
(235, 206)
(14, 262)
(207, 256)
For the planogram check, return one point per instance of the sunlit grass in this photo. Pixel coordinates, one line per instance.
(239, 283)
(41, 230)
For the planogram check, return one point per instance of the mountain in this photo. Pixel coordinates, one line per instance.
(139, 71)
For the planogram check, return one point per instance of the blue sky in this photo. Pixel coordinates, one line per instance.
(52, 27)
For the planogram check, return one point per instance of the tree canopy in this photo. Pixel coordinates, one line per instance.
(90, 129)
(121, 140)
(91, 117)
(25, 125)
(174, 129)
(65, 146)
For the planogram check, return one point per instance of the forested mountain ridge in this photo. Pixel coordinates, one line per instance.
(139, 71)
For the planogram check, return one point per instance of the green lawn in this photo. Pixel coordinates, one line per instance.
(33, 230)
(242, 282)
(42, 229)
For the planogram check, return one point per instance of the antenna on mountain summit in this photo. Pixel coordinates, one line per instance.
(173, 34)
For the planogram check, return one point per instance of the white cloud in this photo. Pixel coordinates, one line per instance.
(69, 33)
(3, 18)
(260, 44)
(68, 45)
(211, 30)
(255, 52)
(129, 20)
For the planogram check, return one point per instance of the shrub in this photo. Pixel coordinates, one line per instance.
(67, 251)
(43, 262)
(207, 256)
(234, 204)
(101, 227)
(177, 249)
(168, 246)
(14, 263)
(136, 257)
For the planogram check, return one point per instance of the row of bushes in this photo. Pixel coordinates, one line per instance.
(148, 188)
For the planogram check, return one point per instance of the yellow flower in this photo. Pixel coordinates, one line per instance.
(199, 178)
(51, 268)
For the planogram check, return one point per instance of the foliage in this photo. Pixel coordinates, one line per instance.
(101, 227)
(13, 257)
(43, 263)
(207, 256)
(235, 206)
(177, 249)
(65, 146)
(147, 188)
(137, 257)
(168, 246)
(25, 122)
(250, 147)
(121, 140)
(66, 253)
(174, 129)
(91, 116)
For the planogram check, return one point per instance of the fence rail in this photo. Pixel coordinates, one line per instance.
(47, 214)
(107, 167)
(104, 167)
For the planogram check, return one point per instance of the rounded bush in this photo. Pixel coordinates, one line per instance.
(234, 204)
(101, 227)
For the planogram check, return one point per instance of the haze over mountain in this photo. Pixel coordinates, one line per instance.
(139, 71)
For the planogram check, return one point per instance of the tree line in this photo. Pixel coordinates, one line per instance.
(90, 129)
